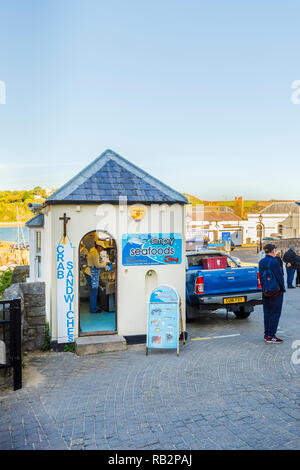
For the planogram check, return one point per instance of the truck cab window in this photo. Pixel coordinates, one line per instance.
(231, 263)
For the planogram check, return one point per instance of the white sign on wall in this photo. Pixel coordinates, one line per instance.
(65, 293)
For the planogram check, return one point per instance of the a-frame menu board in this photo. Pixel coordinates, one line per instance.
(163, 319)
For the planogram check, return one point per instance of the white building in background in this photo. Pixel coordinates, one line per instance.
(214, 221)
(279, 219)
(48, 191)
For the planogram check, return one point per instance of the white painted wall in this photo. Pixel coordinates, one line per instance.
(220, 227)
(271, 221)
(49, 263)
(131, 280)
(33, 272)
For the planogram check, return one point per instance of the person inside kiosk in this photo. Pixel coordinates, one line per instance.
(97, 289)
(96, 259)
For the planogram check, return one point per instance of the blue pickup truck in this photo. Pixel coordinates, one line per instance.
(235, 288)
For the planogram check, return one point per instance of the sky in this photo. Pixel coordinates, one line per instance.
(197, 93)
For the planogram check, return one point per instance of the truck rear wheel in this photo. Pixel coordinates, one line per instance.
(242, 313)
(190, 312)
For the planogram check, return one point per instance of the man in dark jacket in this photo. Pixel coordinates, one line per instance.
(272, 305)
(290, 259)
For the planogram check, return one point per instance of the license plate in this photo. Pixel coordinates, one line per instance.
(233, 300)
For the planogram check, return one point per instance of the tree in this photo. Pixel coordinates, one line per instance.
(26, 195)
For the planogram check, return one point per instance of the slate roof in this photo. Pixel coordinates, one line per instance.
(213, 216)
(111, 176)
(36, 221)
(281, 208)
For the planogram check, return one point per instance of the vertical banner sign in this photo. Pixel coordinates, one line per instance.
(65, 293)
(163, 319)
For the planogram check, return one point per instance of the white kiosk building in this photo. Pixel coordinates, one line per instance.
(138, 221)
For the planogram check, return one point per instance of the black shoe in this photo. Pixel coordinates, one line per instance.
(97, 311)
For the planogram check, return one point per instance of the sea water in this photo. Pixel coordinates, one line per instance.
(10, 234)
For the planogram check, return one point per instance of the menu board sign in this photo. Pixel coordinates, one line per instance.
(163, 319)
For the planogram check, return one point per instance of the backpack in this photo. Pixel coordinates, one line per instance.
(269, 282)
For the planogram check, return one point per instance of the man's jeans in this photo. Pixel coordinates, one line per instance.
(93, 294)
(290, 272)
(272, 311)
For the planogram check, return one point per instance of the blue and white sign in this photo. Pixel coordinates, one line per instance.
(218, 245)
(65, 293)
(225, 236)
(163, 319)
(151, 249)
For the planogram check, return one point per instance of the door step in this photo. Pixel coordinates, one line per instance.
(85, 345)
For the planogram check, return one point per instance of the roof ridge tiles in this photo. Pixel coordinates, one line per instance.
(101, 178)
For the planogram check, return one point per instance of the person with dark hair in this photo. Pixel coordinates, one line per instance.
(289, 259)
(272, 281)
(92, 274)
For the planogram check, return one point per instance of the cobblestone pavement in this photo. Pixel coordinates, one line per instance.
(233, 392)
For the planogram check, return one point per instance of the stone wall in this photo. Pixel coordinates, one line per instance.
(32, 296)
(285, 243)
(20, 274)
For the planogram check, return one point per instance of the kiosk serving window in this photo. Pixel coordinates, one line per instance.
(97, 284)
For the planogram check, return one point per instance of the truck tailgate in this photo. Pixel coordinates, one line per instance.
(228, 281)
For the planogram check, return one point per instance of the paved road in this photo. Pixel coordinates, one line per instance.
(234, 392)
(248, 255)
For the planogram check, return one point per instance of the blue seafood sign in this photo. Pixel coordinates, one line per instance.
(151, 249)
(163, 319)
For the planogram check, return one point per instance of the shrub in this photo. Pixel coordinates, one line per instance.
(46, 345)
(69, 347)
(5, 281)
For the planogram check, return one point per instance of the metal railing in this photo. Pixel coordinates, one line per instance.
(10, 319)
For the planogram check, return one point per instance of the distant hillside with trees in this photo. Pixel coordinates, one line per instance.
(193, 199)
(249, 207)
(10, 201)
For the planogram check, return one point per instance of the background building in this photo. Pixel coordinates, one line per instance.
(279, 219)
(214, 220)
